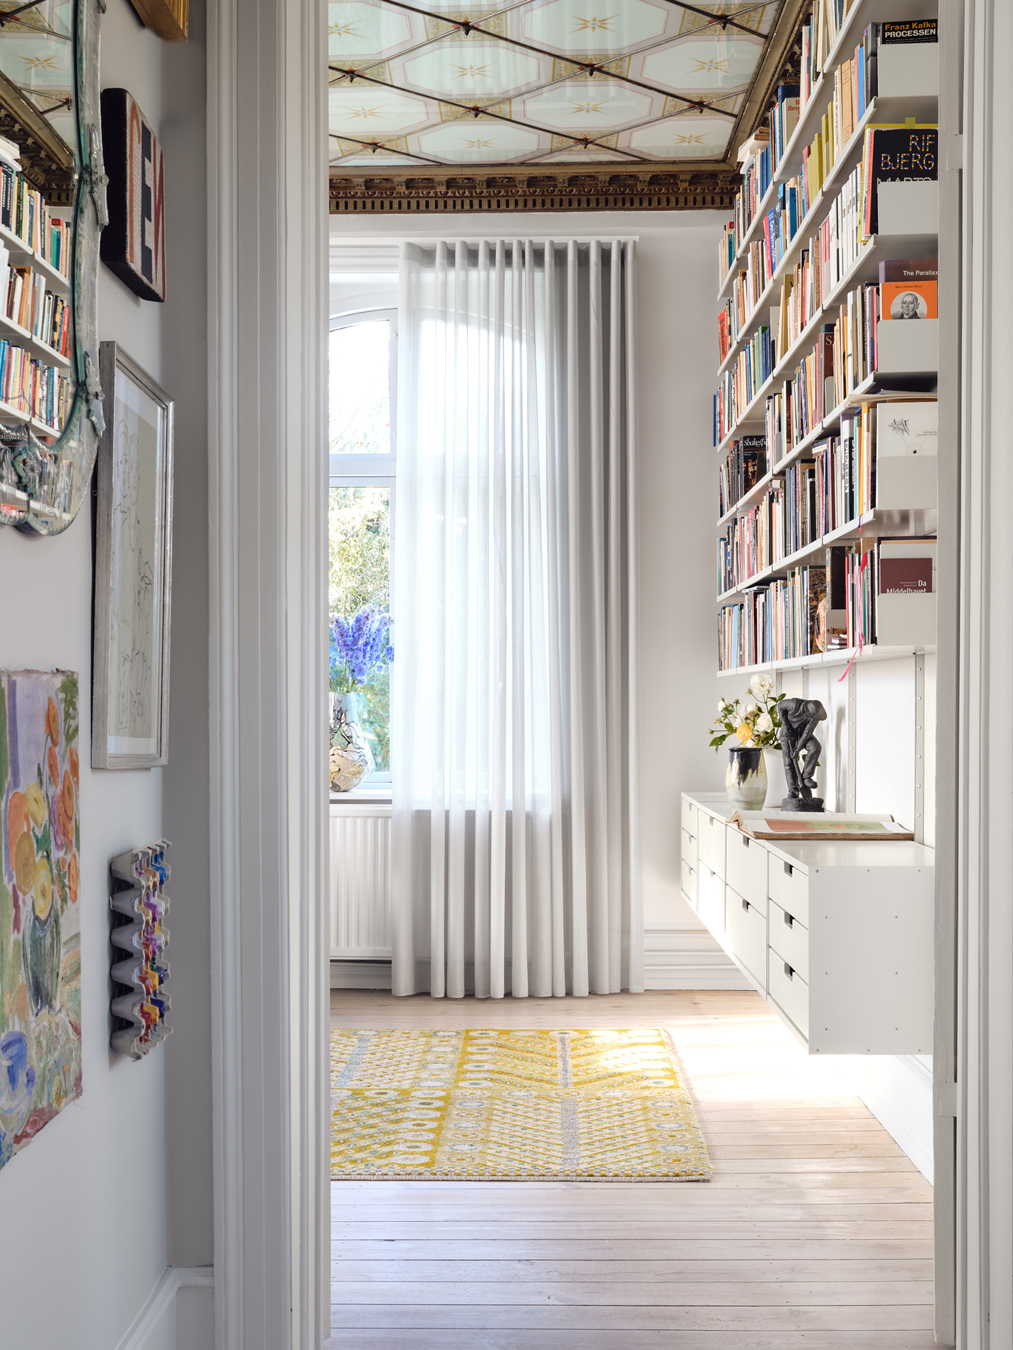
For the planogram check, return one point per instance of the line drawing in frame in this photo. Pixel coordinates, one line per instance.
(133, 568)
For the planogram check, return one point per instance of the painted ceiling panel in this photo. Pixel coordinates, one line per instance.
(542, 81)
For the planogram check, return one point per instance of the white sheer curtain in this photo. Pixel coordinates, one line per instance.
(514, 726)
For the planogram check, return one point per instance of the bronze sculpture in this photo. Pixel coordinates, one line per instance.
(799, 719)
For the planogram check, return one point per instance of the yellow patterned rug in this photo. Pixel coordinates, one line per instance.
(511, 1106)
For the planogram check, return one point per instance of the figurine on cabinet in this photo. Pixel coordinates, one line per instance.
(799, 719)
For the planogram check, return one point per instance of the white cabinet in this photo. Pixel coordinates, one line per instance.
(836, 936)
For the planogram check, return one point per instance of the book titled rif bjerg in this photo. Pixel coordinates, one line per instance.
(894, 154)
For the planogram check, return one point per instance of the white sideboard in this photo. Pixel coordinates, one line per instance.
(837, 937)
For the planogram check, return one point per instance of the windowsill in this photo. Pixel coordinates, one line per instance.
(381, 792)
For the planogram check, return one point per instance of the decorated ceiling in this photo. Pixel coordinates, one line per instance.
(551, 82)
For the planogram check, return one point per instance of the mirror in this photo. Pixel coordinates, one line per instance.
(52, 211)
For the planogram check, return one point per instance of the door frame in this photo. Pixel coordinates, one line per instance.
(267, 325)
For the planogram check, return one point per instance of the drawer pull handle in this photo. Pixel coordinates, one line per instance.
(789, 922)
(787, 869)
(789, 973)
(745, 904)
(745, 840)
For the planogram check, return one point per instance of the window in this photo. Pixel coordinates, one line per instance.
(363, 451)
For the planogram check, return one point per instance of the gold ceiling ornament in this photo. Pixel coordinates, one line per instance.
(584, 187)
(703, 66)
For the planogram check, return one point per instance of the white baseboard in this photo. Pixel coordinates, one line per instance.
(687, 958)
(897, 1089)
(360, 974)
(674, 958)
(158, 1324)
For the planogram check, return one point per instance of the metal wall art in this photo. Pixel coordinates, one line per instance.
(133, 569)
(140, 1004)
(54, 190)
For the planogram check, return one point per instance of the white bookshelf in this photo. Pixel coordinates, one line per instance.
(908, 229)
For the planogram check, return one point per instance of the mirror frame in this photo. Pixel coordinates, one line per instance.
(44, 481)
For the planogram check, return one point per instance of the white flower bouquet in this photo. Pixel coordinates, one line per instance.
(752, 721)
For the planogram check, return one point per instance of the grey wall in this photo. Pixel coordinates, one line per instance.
(187, 802)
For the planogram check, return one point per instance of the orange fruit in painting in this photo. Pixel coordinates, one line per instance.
(52, 722)
(24, 864)
(54, 767)
(72, 877)
(43, 888)
(36, 804)
(17, 821)
(74, 765)
(67, 796)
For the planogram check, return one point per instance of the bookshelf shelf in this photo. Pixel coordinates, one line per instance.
(15, 333)
(868, 526)
(839, 656)
(22, 255)
(13, 417)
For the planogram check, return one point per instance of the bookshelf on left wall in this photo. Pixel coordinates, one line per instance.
(36, 317)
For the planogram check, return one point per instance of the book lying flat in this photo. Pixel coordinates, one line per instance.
(818, 825)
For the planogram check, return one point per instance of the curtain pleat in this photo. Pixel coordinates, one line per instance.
(514, 731)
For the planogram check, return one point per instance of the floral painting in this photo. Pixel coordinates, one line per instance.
(40, 929)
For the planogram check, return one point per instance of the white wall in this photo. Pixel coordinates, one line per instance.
(83, 1245)
(678, 355)
(83, 1238)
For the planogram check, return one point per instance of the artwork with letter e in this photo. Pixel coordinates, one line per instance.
(133, 243)
(40, 927)
(133, 568)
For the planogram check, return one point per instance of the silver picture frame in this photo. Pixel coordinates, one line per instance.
(133, 568)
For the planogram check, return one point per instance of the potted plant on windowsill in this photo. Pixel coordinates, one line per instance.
(359, 646)
(750, 728)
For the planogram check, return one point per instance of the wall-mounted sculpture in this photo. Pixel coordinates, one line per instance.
(800, 750)
(140, 1004)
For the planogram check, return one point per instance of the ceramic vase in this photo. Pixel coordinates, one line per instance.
(351, 760)
(777, 784)
(746, 779)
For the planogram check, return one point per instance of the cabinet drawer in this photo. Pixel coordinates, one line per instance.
(789, 940)
(710, 900)
(711, 835)
(789, 886)
(789, 991)
(746, 928)
(745, 865)
(690, 849)
(689, 814)
(689, 876)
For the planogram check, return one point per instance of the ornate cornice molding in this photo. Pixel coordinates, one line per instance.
(46, 160)
(648, 187)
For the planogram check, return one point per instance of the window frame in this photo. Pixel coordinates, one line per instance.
(371, 470)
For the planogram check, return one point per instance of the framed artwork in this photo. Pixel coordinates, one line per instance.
(133, 243)
(133, 568)
(40, 923)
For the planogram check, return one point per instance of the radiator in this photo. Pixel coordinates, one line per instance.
(360, 881)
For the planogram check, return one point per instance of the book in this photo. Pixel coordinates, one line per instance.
(818, 825)
(906, 566)
(905, 576)
(894, 154)
(913, 30)
(907, 428)
(909, 288)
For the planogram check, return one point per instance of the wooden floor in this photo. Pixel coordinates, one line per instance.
(815, 1231)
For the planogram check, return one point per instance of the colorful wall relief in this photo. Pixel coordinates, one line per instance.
(40, 929)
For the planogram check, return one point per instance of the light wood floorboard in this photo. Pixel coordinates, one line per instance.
(815, 1233)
